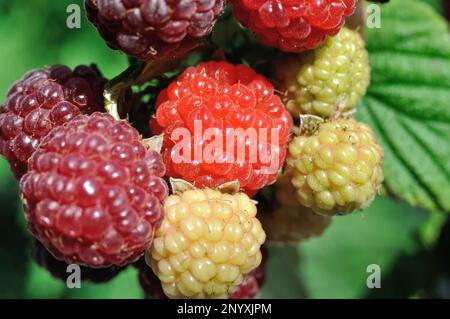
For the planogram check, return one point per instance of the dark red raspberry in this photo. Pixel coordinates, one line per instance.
(41, 100)
(227, 99)
(293, 25)
(144, 28)
(93, 192)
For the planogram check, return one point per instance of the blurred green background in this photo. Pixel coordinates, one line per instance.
(406, 243)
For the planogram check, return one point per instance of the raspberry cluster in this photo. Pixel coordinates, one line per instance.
(207, 243)
(41, 100)
(337, 73)
(338, 168)
(293, 25)
(96, 194)
(146, 28)
(231, 101)
(93, 193)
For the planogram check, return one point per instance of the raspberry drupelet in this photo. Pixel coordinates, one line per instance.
(93, 193)
(41, 100)
(254, 281)
(227, 101)
(293, 25)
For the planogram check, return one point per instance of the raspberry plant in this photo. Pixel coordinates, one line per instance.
(95, 187)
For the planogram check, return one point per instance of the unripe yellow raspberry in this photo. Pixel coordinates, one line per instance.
(336, 74)
(207, 243)
(338, 168)
(289, 222)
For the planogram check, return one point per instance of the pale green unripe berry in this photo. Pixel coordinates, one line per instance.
(338, 168)
(336, 74)
(206, 245)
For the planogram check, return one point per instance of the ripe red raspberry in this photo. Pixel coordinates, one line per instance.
(93, 192)
(293, 25)
(227, 101)
(41, 100)
(143, 28)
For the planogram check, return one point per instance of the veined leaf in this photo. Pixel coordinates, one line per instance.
(408, 102)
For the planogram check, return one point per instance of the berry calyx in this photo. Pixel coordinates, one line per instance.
(293, 25)
(41, 100)
(337, 169)
(222, 122)
(148, 28)
(207, 243)
(93, 192)
(337, 73)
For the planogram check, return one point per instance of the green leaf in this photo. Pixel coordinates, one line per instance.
(437, 4)
(41, 284)
(408, 102)
(431, 229)
(13, 238)
(282, 279)
(335, 265)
